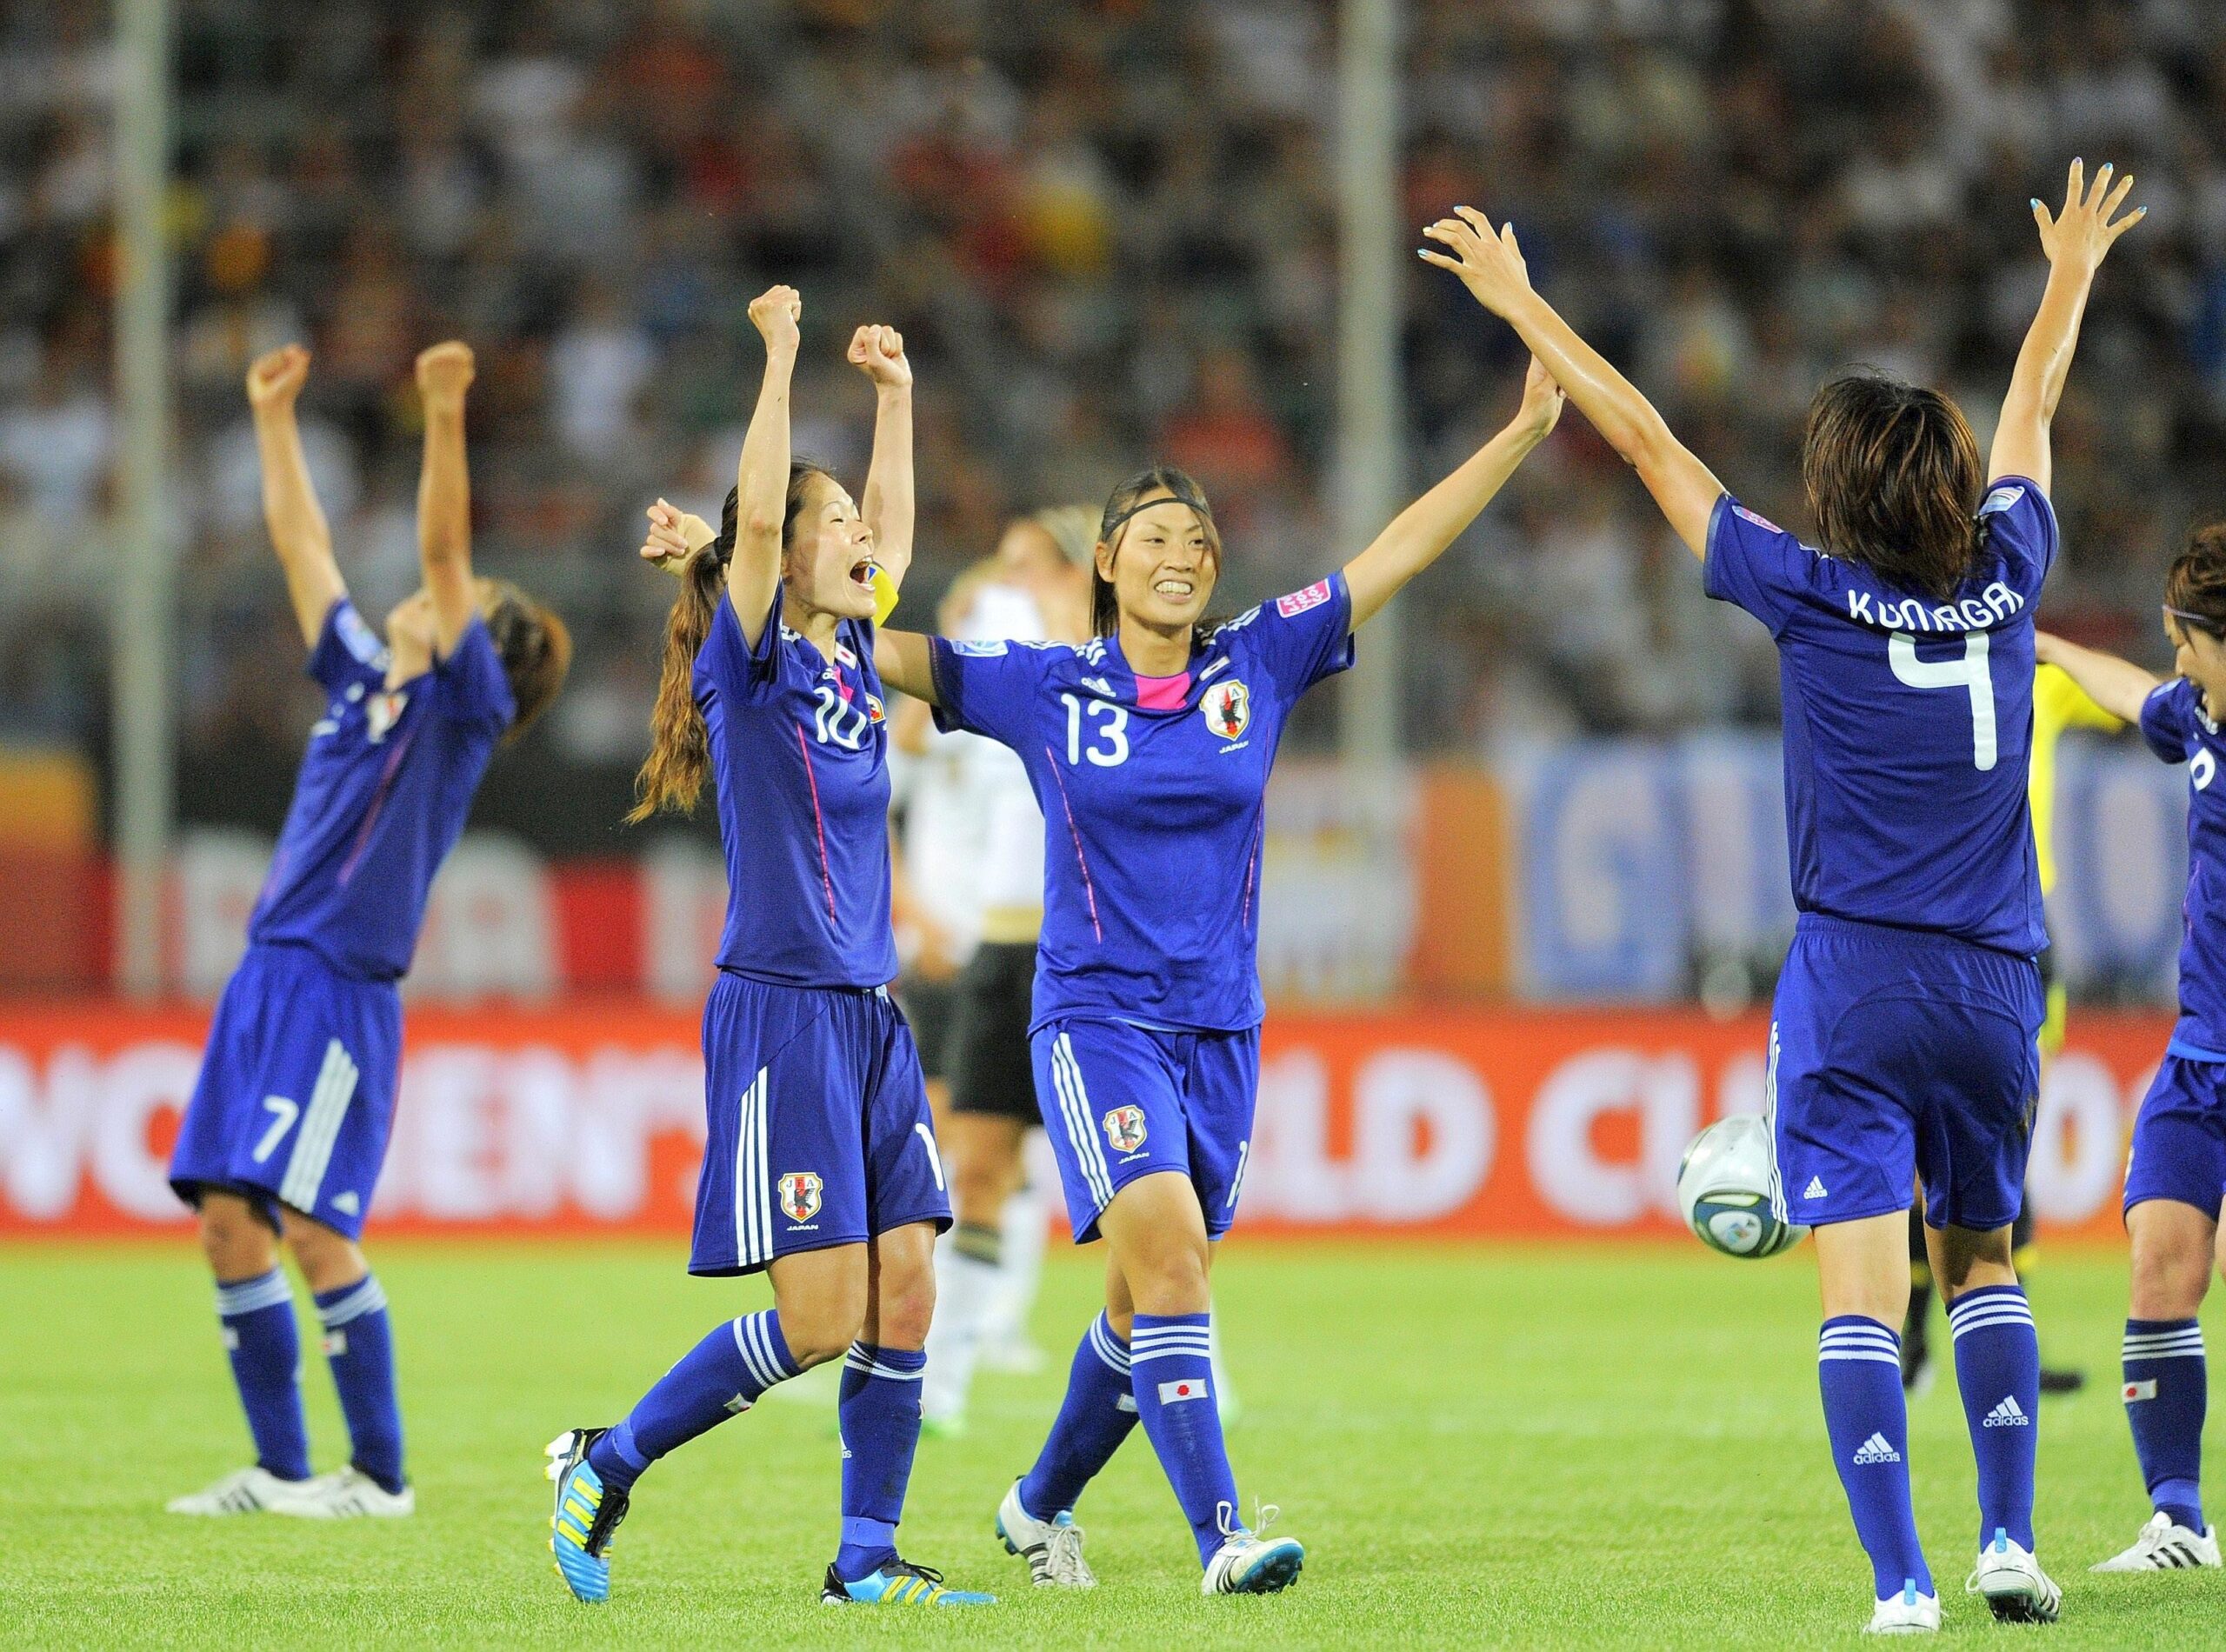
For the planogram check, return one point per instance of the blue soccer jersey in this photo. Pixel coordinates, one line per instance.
(384, 790)
(2177, 730)
(1907, 723)
(799, 756)
(1153, 817)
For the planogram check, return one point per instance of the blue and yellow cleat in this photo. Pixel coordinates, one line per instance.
(1249, 1561)
(586, 1515)
(898, 1583)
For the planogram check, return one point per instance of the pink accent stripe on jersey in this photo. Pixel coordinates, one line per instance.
(1089, 889)
(379, 805)
(1252, 863)
(819, 821)
(1162, 693)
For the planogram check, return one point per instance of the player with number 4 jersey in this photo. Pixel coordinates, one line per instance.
(1903, 1039)
(1148, 749)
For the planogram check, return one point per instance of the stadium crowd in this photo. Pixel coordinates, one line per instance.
(1107, 230)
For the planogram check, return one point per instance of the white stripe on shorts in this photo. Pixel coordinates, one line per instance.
(1082, 1129)
(305, 1166)
(1777, 1188)
(753, 1202)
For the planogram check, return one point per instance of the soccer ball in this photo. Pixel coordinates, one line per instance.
(1723, 1185)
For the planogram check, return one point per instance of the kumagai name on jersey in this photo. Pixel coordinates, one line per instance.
(1153, 816)
(1906, 723)
(2179, 729)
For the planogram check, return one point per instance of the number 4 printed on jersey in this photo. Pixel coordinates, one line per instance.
(1972, 673)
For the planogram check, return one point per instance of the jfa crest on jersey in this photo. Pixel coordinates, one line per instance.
(1153, 814)
(799, 743)
(1907, 723)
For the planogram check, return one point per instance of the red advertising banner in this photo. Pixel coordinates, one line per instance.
(589, 1117)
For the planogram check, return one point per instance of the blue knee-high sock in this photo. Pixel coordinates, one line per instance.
(1998, 1369)
(265, 1349)
(2166, 1388)
(720, 1377)
(1170, 1366)
(880, 1413)
(1859, 1368)
(359, 1347)
(1094, 1417)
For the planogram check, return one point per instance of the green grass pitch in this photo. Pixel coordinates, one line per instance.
(1575, 1446)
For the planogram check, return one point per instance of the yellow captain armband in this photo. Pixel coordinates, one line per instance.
(884, 595)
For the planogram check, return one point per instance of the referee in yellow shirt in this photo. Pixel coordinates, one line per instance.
(2058, 704)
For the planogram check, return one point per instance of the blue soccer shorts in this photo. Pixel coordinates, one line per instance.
(818, 1128)
(1897, 1055)
(1121, 1100)
(295, 1100)
(2179, 1137)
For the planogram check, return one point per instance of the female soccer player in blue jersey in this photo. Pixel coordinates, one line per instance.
(2176, 1180)
(1902, 1044)
(820, 1164)
(1148, 749)
(287, 1125)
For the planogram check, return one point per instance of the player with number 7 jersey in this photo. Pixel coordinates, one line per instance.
(1148, 749)
(1902, 1041)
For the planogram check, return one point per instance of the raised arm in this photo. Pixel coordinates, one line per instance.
(2076, 240)
(762, 475)
(2118, 686)
(444, 373)
(901, 658)
(298, 532)
(878, 352)
(1490, 266)
(1419, 534)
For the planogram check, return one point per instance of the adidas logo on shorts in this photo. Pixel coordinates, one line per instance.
(1876, 1449)
(2009, 1415)
(1815, 1190)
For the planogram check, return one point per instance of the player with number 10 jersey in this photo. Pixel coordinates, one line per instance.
(1903, 1043)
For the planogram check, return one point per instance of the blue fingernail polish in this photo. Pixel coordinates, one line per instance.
(2036, 200)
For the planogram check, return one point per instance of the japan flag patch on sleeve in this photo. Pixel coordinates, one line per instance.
(1183, 1388)
(1297, 603)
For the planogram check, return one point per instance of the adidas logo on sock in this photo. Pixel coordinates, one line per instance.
(1876, 1449)
(2009, 1415)
(1815, 1190)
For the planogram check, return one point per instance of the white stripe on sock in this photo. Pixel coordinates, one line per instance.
(251, 1296)
(366, 1298)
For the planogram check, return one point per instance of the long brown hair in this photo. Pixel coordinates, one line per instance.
(2195, 585)
(1128, 499)
(1893, 475)
(671, 776)
(536, 649)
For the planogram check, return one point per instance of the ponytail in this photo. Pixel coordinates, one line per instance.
(671, 776)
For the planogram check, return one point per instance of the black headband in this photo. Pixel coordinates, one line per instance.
(1175, 496)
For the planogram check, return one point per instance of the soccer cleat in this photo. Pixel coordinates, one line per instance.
(1907, 1613)
(2061, 1380)
(1052, 1548)
(351, 1493)
(586, 1513)
(1249, 1563)
(898, 1583)
(246, 1491)
(2016, 1589)
(2164, 1546)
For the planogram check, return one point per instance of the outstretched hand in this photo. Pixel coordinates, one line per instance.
(1489, 263)
(277, 377)
(445, 371)
(673, 538)
(2087, 227)
(1543, 399)
(878, 352)
(777, 313)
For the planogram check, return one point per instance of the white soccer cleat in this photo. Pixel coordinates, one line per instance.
(247, 1491)
(1052, 1548)
(1249, 1563)
(1907, 1613)
(2165, 1546)
(348, 1494)
(2016, 1589)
